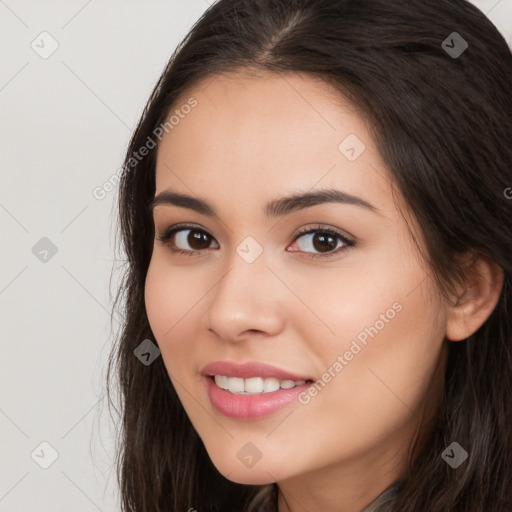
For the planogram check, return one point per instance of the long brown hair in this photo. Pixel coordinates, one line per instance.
(441, 117)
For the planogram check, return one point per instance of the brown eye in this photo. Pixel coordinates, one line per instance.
(186, 239)
(321, 241)
(196, 239)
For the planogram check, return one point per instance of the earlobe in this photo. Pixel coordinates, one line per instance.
(477, 300)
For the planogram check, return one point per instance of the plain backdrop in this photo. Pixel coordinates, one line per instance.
(74, 78)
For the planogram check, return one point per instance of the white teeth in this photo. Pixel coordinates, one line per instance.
(271, 384)
(221, 381)
(254, 385)
(236, 385)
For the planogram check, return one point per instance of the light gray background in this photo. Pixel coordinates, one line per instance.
(65, 124)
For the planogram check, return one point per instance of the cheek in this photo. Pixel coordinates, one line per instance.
(169, 295)
(388, 357)
(169, 305)
(389, 330)
(378, 389)
(158, 298)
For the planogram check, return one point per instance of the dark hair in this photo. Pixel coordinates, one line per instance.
(442, 123)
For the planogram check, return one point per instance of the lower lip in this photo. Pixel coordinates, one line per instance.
(246, 407)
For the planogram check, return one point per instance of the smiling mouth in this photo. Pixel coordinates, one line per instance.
(254, 385)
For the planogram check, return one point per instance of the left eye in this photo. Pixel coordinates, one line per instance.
(325, 240)
(197, 239)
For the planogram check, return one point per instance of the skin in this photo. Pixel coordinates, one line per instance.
(251, 139)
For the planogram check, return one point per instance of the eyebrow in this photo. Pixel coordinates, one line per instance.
(276, 208)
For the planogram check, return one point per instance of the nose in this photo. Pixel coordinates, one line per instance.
(248, 299)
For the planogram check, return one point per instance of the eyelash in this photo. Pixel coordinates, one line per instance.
(167, 235)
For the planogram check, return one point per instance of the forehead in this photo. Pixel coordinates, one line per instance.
(252, 137)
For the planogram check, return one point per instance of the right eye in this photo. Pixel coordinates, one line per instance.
(184, 234)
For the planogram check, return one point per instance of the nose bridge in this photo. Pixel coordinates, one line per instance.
(246, 267)
(245, 296)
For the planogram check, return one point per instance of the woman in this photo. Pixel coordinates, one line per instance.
(316, 210)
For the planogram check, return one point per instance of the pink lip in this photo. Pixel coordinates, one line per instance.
(250, 406)
(248, 370)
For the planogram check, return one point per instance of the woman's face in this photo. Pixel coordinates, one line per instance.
(355, 311)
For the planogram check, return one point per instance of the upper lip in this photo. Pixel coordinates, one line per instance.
(248, 370)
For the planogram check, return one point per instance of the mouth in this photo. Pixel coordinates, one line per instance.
(251, 390)
(250, 405)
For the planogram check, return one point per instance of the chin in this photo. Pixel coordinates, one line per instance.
(237, 473)
(248, 478)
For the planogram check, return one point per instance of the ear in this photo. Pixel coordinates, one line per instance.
(477, 299)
